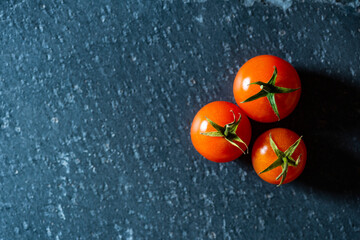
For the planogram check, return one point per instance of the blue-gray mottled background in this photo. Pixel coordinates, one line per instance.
(97, 99)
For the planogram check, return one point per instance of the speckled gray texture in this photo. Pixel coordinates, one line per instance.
(96, 102)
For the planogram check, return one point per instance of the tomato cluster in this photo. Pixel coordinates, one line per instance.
(266, 89)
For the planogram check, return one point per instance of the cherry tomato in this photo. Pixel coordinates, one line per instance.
(276, 100)
(221, 131)
(290, 148)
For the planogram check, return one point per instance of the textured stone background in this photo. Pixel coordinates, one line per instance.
(96, 101)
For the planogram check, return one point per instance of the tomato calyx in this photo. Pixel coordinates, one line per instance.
(228, 132)
(284, 159)
(269, 90)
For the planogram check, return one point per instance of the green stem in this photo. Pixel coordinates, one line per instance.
(228, 132)
(269, 90)
(284, 159)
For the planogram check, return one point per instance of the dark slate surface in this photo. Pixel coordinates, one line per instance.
(96, 102)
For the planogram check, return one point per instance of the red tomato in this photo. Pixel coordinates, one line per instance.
(261, 69)
(263, 155)
(218, 148)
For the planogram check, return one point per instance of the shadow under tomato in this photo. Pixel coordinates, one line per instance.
(328, 117)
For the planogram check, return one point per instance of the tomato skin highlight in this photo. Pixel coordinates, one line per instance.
(260, 68)
(218, 149)
(263, 155)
